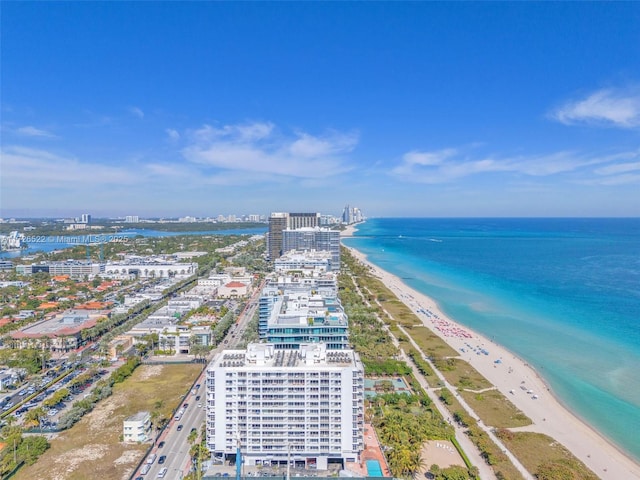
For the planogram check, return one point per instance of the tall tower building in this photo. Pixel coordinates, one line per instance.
(301, 220)
(278, 221)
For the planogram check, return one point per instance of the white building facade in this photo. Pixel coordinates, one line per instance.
(137, 428)
(149, 270)
(305, 405)
(313, 239)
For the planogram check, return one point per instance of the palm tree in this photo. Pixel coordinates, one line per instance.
(416, 462)
(33, 417)
(399, 460)
(193, 436)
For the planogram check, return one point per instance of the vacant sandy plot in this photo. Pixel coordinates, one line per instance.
(441, 453)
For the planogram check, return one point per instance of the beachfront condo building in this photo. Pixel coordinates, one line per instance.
(305, 406)
(281, 306)
(297, 319)
(307, 239)
(279, 221)
(310, 263)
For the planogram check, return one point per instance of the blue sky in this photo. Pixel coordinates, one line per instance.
(401, 109)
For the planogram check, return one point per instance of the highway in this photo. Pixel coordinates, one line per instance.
(176, 447)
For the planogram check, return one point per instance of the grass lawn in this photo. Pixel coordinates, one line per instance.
(537, 451)
(92, 447)
(423, 367)
(461, 374)
(431, 344)
(500, 462)
(495, 409)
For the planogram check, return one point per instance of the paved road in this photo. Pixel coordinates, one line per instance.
(176, 448)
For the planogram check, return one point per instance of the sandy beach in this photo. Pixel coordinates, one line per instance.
(516, 380)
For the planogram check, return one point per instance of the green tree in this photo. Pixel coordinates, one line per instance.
(33, 417)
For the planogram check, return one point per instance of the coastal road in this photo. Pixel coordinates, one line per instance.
(176, 447)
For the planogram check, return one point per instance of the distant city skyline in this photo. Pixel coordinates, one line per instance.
(433, 109)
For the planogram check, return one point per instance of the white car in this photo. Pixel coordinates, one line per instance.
(199, 405)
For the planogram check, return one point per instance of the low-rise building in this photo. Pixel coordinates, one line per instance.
(72, 268)
(149, 269)
(60, 333)
(120, 345)
(137, 428)
(233, 289)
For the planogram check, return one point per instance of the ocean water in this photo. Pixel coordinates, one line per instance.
(562, 294)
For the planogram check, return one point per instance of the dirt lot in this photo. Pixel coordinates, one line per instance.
(92, 448)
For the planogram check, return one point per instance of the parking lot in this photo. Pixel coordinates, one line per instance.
(38, 391)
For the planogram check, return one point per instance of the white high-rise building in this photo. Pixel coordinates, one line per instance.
(313, 238)
(305, 405)
(131, 219)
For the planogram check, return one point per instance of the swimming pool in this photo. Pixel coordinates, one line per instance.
(374, 469)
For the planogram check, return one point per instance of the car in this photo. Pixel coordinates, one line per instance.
(194, 429)
(162, 472)
(161, 444)
(185, 405)
(180, 427)
(199, 405)
(162, 459)
(197, 398)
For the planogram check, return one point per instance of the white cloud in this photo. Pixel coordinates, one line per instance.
(308, 146)
(618, 168)
(446, 166)
(256, 150)
(172, 134)
(30, 131)
(243, 133)
(42, 169)
(428, 158)
(136, 112)
(606, 107)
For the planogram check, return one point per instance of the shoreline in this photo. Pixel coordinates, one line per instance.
(548, 414)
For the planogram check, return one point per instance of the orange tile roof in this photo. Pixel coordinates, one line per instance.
(93, 306)
(60, 278)
(46, 305)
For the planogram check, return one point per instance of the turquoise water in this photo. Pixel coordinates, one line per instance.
(374, 469)
(563, 294)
